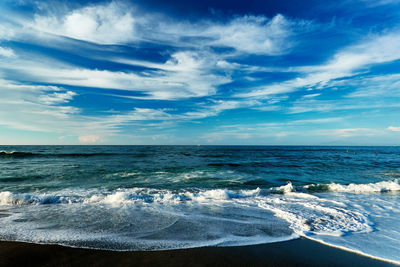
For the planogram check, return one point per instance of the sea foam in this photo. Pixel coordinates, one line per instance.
(383, 186)
(148, 195)
(8, 198)
(305, 213)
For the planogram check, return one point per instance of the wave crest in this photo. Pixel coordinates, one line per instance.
(379, 187)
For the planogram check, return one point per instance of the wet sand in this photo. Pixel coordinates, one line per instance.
(300, 252)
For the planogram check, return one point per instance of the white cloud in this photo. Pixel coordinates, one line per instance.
(393, 128)
(6, 52)
(185, 74)
(57, 98)
(374, 50)
(253, 34)
(88, 139)
(311, 95)
(34, 108)
(104, 24)
(6, 32)
(270, 91)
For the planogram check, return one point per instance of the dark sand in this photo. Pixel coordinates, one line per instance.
(300, 252)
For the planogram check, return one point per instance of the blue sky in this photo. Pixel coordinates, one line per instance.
(212, 72)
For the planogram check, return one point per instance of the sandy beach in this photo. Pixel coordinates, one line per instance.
(300, 252)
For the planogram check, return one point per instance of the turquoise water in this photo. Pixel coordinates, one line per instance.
(168, 197)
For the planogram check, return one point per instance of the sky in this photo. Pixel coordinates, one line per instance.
(206, 72)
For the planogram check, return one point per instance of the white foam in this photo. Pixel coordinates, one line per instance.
(309, 214)
(378, 187)
(8, 198)
(125, 174)
(305, 213)
(117, 198)
(284, 189)
(384, 186)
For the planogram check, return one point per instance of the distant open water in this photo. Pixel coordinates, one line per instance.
(171, 197)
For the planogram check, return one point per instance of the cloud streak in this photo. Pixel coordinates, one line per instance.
(184, 75)
(346, 63)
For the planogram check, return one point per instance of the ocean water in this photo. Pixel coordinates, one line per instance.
(172, 197)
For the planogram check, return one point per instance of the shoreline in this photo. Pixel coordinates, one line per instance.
(354, 251)
(297, 252)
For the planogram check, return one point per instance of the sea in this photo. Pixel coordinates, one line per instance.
(135, 198)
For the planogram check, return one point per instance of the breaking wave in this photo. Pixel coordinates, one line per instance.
(148, 195)
(379, 187)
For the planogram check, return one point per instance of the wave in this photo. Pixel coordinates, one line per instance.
(379, 187)
(123, 196)
(149, 195)
(15, 154)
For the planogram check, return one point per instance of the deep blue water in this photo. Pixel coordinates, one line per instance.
(165, 197)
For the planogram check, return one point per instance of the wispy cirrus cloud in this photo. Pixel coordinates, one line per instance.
(49, 109)
(184, 75)
(34, 107)
(374, 86)
(315, 105)
(346, 63)
(218, 106)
